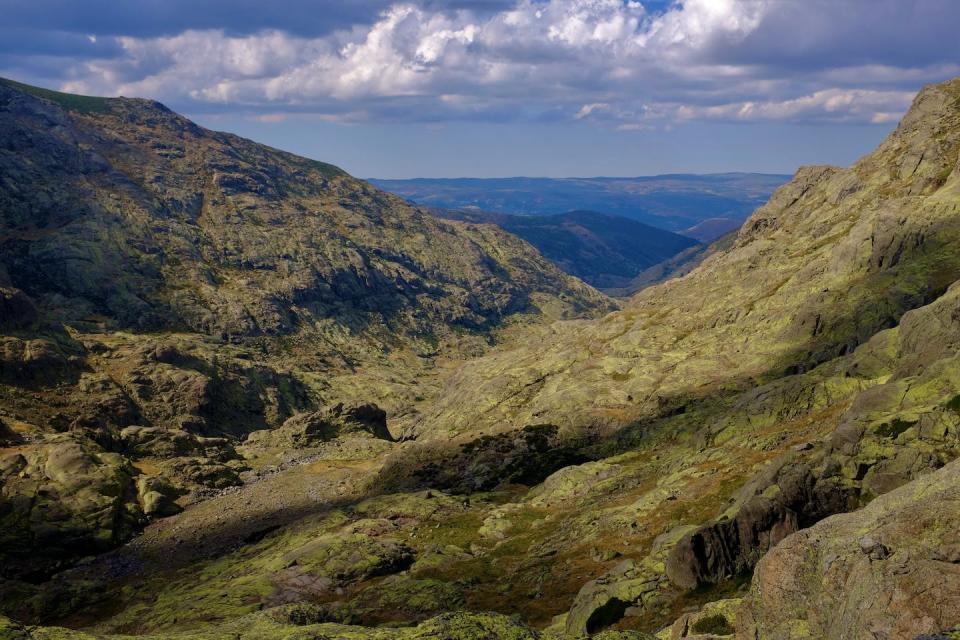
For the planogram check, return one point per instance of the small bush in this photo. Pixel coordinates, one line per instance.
(954, 404)
(715, 624)
(895, 427)
(304, 614)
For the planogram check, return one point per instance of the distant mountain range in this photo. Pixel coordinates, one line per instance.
(604, 250)
(702, 206)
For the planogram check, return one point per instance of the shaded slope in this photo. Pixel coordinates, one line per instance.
(603, 250)
(679, 265)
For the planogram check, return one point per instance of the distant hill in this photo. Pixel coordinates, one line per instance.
(678, 265)
(604, 250)
(674, 202)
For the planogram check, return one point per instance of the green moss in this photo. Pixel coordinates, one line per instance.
(69, 101)
(715, 624)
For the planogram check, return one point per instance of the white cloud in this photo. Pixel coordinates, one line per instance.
(838, 105)
(599, 60)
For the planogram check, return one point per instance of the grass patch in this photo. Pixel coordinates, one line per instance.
(69, 101)
(327, 170)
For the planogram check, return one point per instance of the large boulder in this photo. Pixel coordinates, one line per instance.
(17, 310)
(330, 562)
(32, 362)
(785, 497)
(157, 442)
(61, 499)
(311, 429)
(889, 570)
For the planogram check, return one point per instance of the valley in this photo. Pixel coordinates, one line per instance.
(246, 395)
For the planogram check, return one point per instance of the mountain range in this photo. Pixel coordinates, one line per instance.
(702, 206)
(246, 395)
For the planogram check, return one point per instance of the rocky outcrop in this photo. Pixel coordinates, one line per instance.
(33, 362)
(630, 589)
(890, 570)
(331, 562)
(787, 497)
(61, 499)
(527, 456)
(157, 442)
(713, 620)
(311, 429)
(17, 310)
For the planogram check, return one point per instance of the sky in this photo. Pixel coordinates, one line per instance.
(483, 88)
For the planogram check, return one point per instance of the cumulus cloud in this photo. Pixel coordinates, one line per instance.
(840, 105)
(625, 63)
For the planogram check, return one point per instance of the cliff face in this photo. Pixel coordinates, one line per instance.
(889, 570)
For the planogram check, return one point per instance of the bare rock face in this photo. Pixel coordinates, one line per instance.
(889, 570)
(311, 429)
(782, 500)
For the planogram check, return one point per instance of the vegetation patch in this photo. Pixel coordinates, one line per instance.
(69, 101)
(895, 427)
(716, 624)
(953, 404)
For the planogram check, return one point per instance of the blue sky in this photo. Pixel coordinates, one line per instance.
(507, 87)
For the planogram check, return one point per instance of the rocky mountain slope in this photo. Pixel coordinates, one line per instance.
(603, 250)
(166, 290)
(772, 432)
(835, 256)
